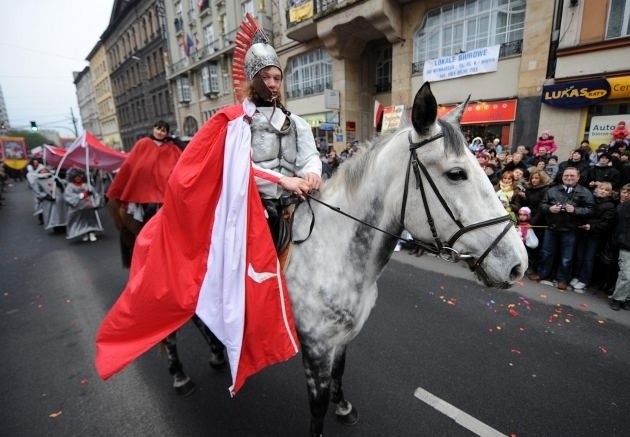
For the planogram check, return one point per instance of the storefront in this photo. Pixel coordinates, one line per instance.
(604, 102)
(321, 125)
(486, 119)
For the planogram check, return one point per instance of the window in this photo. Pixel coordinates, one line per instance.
(208, 38)
(190, 126)
(247, 6)
(384, 70)
(210, 79)
(309, 73)
(467, 25)
(618, 19)
(183, 89)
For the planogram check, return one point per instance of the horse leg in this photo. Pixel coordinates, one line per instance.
(182, 384)
(345, 411)
(217, 358)
(317, 370)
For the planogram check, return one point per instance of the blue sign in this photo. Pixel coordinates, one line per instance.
(576, 94)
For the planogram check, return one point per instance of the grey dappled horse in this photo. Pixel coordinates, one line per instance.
(421, 178)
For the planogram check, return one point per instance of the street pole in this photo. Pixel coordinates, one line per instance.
(74, 123)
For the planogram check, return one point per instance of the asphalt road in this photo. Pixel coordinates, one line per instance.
(529, 361)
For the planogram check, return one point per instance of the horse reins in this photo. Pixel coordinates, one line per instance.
(444, 250)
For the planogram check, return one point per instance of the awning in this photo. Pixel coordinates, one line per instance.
(499, 111)
(326, 126)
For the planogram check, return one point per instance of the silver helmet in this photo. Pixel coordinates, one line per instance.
(259, 56)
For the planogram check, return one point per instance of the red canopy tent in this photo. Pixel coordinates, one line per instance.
(86, 152)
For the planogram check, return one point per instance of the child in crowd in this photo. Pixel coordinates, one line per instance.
(528, 236)
(551, 168)
(545, 140)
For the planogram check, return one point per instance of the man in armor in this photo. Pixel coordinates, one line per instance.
(285, 158)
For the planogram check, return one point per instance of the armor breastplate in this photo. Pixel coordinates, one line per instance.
(273, 149)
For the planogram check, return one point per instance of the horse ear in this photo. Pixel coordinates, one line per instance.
(424, 111)
(456, 114)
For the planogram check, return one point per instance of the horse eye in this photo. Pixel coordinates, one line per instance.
(456, 174)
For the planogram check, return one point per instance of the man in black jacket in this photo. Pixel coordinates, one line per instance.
(564, 206)
(619, 298)
(603, 171)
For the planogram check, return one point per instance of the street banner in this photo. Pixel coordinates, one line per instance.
(13, 152)
(300, 10)
(483, 60)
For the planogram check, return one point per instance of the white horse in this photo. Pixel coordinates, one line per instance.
(421, 178)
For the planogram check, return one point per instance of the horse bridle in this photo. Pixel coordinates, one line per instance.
(444, 250)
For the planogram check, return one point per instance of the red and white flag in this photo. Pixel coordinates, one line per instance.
(207, 251)
(378, 112)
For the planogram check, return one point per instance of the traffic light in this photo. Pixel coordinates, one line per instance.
(34, 126)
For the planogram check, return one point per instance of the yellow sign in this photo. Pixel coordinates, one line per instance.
(619, 87)
(300, 10)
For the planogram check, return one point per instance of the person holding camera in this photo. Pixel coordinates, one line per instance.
(565, 207)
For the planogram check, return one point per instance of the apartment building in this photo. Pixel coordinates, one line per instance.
(201, 42)
(87, 101)
(106, 109)
(135, 43)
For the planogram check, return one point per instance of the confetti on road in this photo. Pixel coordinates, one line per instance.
(84, 381)
(516, 351)
(55, 415)
(603, 350)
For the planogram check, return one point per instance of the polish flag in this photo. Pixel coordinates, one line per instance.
(378, 112)
(207, 251)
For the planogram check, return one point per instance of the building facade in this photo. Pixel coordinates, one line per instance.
(135, 43)
(342, 57)
(87, 101)
(4, 115)
(106, 109)
(588, 91)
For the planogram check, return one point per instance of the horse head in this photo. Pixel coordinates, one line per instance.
(448, 203)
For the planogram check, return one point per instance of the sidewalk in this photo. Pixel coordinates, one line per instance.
(595, 303)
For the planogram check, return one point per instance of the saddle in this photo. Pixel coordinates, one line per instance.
(279, 219)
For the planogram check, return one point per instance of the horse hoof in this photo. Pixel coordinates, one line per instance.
(184, 386)
(350, 418)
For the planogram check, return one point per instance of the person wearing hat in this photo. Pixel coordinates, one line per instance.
(603, 171)
(209, 250)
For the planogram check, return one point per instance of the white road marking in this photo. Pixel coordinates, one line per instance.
(460, 417)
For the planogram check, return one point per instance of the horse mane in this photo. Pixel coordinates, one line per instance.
(350, 174)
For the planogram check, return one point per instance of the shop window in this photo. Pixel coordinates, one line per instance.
(468, 25)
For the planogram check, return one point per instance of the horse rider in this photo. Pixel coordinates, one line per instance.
(257, 146)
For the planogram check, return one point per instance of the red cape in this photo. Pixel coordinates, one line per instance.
(170, 261)
(142, 177)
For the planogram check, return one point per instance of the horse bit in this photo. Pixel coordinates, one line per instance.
(444, 250)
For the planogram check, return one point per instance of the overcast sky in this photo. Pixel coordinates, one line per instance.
(42, 42)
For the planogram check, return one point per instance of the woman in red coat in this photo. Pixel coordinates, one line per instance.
(137, 191)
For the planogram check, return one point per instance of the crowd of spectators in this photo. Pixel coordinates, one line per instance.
(572, 206)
